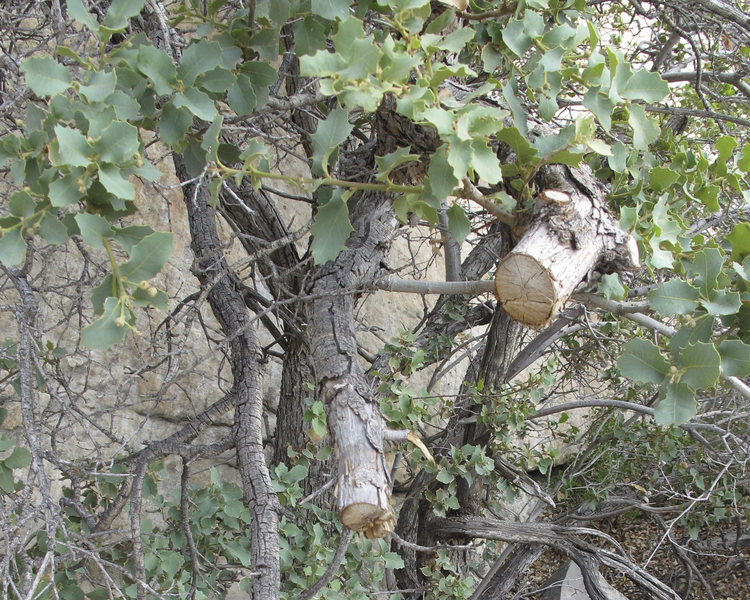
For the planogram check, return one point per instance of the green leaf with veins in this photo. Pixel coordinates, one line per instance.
(148, 257)
(159, 68)
(104, 332)
(459, 225)
(118, 143)
(74, 149)
(331, 228)
(675, 297)
(330, 134)
(705, 269)
(642, 362)
(645, 130)
(677, 404)
(120, 12)
(45, 76)
(722, 302)
(701, 363)
(735, 358)
(198, 58)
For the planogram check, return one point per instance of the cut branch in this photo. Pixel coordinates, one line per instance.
(569, 235)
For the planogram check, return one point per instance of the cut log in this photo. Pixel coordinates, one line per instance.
(568, 235)
(363, 490)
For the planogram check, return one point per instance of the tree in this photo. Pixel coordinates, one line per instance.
(537, 143)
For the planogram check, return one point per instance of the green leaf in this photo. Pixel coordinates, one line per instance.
(675, 297)
(440, 181)
(457, 40)
(516, 38)
(93, 228)
(120, 12)
(198, 58)
(104, 332)
(618, 160)
(170, 562)
(722, 302)
(296, 474)
(444, 476)
(309, 36)
(331, 229)
(21, 204)
(484, 162)
(325, 141)
(661, 178)
(100, 86)
(148, 257)
(642, 362)
(113, 180)
(459, 225)
(211, 142)
(45, 76)
(391, 560)
(677, 404)
(524, 151)
(735, 358)
(64, 191)
(197, 103)
(392, 160)
(645, 85)
(129, 236)
(510, 91)
(12, 247)
(118, 143)
(702, 363)
(645, 130)
(740, 240)
(20, 458)
(74, 149)
(174, 123)
(709, 197)
(217, 80)
(242, 554)
(601, 105)
(705, 269)
(80, 14)
(611, 287)
(125, 107)
(158, 67)
(331, 9)
(52, 229)
(7, 483)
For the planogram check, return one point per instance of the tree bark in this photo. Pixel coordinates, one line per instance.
(354, 419)
(228, 305)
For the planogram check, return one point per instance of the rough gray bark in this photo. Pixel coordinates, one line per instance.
(228, 305)
(566, 539)
(354, 419)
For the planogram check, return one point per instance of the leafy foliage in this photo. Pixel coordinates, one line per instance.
(497, 92)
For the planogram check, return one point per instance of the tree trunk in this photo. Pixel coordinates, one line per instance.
(354, 419)
(228, 305)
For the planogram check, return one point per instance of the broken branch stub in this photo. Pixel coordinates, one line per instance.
(363, 490)
(568, 235)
